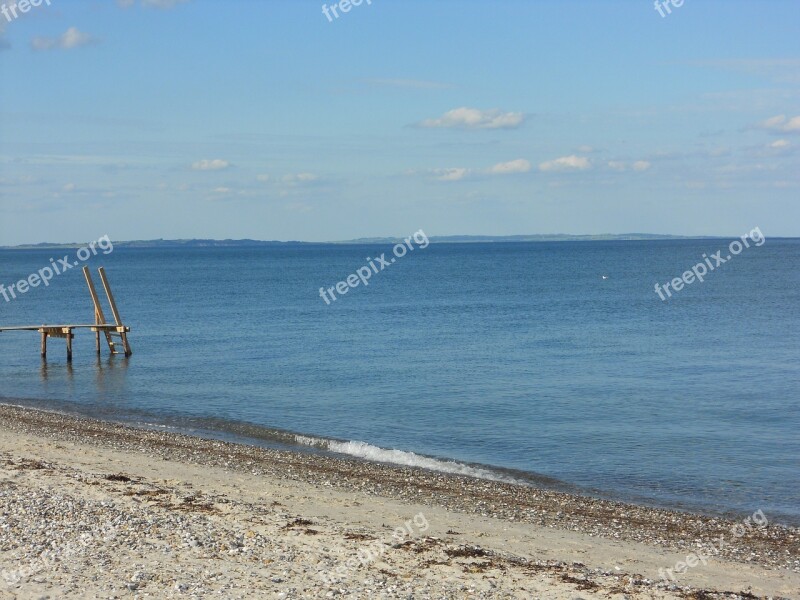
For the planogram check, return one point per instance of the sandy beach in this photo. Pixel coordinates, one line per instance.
(97, 510)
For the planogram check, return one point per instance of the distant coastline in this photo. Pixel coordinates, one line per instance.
(449, 239)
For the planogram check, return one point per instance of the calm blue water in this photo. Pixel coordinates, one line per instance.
(512, 355)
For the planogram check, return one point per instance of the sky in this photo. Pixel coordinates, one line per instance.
(146, 119)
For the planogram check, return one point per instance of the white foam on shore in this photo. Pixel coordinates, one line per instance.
(399, 457)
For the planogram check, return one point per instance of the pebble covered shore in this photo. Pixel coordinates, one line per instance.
(152, 519)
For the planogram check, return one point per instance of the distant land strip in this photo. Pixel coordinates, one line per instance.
(449, 239)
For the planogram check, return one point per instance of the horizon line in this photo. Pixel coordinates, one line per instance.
(453, 239)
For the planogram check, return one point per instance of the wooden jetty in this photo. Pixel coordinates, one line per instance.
(116, 334)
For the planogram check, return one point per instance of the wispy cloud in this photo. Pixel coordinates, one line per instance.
(782, 124)
(782, 70)
(473, 118)
(418, 84)
(566, 163)
(511, 167)
(70, 39)
(452, 174)
(299, 178)
(639, 165)
(514, 166)
(216, 164)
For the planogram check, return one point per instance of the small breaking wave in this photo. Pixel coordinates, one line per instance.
(400, 457)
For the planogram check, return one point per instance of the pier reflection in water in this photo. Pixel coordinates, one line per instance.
(106, 378)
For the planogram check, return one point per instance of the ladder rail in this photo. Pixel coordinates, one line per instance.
(99, 316)
(117, 319)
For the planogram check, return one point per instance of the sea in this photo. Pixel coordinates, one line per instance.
(553, 364)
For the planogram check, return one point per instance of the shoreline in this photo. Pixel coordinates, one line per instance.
(617, 540)
(285, 440)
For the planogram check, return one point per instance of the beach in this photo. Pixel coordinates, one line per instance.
(400, 300)
(91, 509)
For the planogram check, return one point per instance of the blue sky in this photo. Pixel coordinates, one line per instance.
(229, 119)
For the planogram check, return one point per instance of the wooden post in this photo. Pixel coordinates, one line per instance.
(117, 319)
(69, 344)
(98, 309)
(111, 302)
(44, 344)
(99, 317)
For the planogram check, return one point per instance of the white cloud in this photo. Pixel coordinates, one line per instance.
(472, 118)
(222, 190)
(295, 178)
(585, 149)
(639, 165)
(566, 163)
(780, 144)
(514, 166)
(774, 122)
(263, 178)
(216, 164)
(454, 174)
(511, 167)
(71, 38)
(782, 124)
